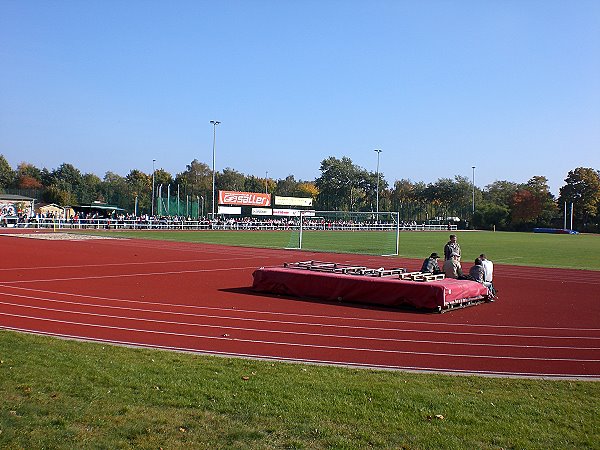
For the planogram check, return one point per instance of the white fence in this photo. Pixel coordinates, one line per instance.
(205, 224)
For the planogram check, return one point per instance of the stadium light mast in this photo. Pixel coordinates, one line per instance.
(473, 167)
(153, 172)
(377, 188)
(214, 123)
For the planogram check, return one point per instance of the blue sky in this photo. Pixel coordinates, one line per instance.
(511, 87)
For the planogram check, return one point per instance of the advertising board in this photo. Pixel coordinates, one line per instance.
(232, 210)
(292, 212)
(293, 201)
(244, 198)
(262, 212)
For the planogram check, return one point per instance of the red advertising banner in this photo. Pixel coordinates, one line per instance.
(244, 198)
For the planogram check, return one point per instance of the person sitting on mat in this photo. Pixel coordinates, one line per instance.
(488, 273)
(430, 265)
(452, 268)
(477, 273)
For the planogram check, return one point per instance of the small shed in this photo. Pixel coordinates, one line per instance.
(54, 210)
(16, 205)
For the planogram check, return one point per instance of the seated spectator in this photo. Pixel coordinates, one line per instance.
(430, 265)
(488, 273)
(452, 267)
(476, 272)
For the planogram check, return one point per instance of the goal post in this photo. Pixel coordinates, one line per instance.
(348, 232)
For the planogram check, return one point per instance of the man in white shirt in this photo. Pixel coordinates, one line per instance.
(488, 273)
(488, 268)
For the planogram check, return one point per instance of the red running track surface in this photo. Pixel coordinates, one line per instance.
(198, 298)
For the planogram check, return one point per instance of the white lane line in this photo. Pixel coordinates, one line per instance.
(305, 360)
(100, 277)
(294, 323)
(309, 316)
(146, 263)
(292, 333)
(288, 344)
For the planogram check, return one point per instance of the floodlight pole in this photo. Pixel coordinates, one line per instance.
(153, 171)
(214, 123)
(377, 201)
(266, 180)
(473, 167)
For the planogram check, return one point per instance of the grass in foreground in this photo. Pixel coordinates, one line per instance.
(64, 394)
(523, 249)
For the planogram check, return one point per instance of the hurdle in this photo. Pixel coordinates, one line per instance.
(322, 266)
(420, 276)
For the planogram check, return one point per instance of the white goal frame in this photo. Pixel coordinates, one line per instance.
(373, 225)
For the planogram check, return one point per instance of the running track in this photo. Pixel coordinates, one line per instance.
(196, 298)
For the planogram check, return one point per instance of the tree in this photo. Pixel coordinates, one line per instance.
(28, 176)
(254, 184)
(114, 190)
(7, 175)
(582, 188)
(533, 204)
(90, 188)
(501, 192)
(196, 179)
(308, 189)
(231, 180)
(61, 197)
(288, 187)
(338, 184)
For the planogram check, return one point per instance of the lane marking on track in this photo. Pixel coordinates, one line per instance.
(100, 277)
(296, 344)
(146, 263)
(304, 333)
(308, 361)
(421, 369)
(315, 316)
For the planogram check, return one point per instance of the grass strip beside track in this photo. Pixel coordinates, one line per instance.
(522, 249)
(63, 394)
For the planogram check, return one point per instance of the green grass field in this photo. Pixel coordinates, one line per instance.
(64, 394)
(525, 249)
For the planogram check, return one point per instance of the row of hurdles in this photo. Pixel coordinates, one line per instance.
(401, 273)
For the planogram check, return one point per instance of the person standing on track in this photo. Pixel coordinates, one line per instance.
(452, 248)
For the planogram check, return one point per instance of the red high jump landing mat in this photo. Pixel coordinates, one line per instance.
(357, 284)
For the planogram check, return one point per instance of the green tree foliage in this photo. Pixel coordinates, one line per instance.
(255, 184)
(136, 188)
(115, 191)
(7, 175)
(230, 180)
(342, 185)
(582, 188)
(28, 177)
(533, 204)
(195, 180)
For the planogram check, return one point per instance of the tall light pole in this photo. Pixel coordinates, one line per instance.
(473, 167)
(266, 180)
(153, 171)
(214, 123)
(378, 153)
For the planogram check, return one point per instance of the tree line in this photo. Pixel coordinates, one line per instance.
(341, 186)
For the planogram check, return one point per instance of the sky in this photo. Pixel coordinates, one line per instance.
(511, 87)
